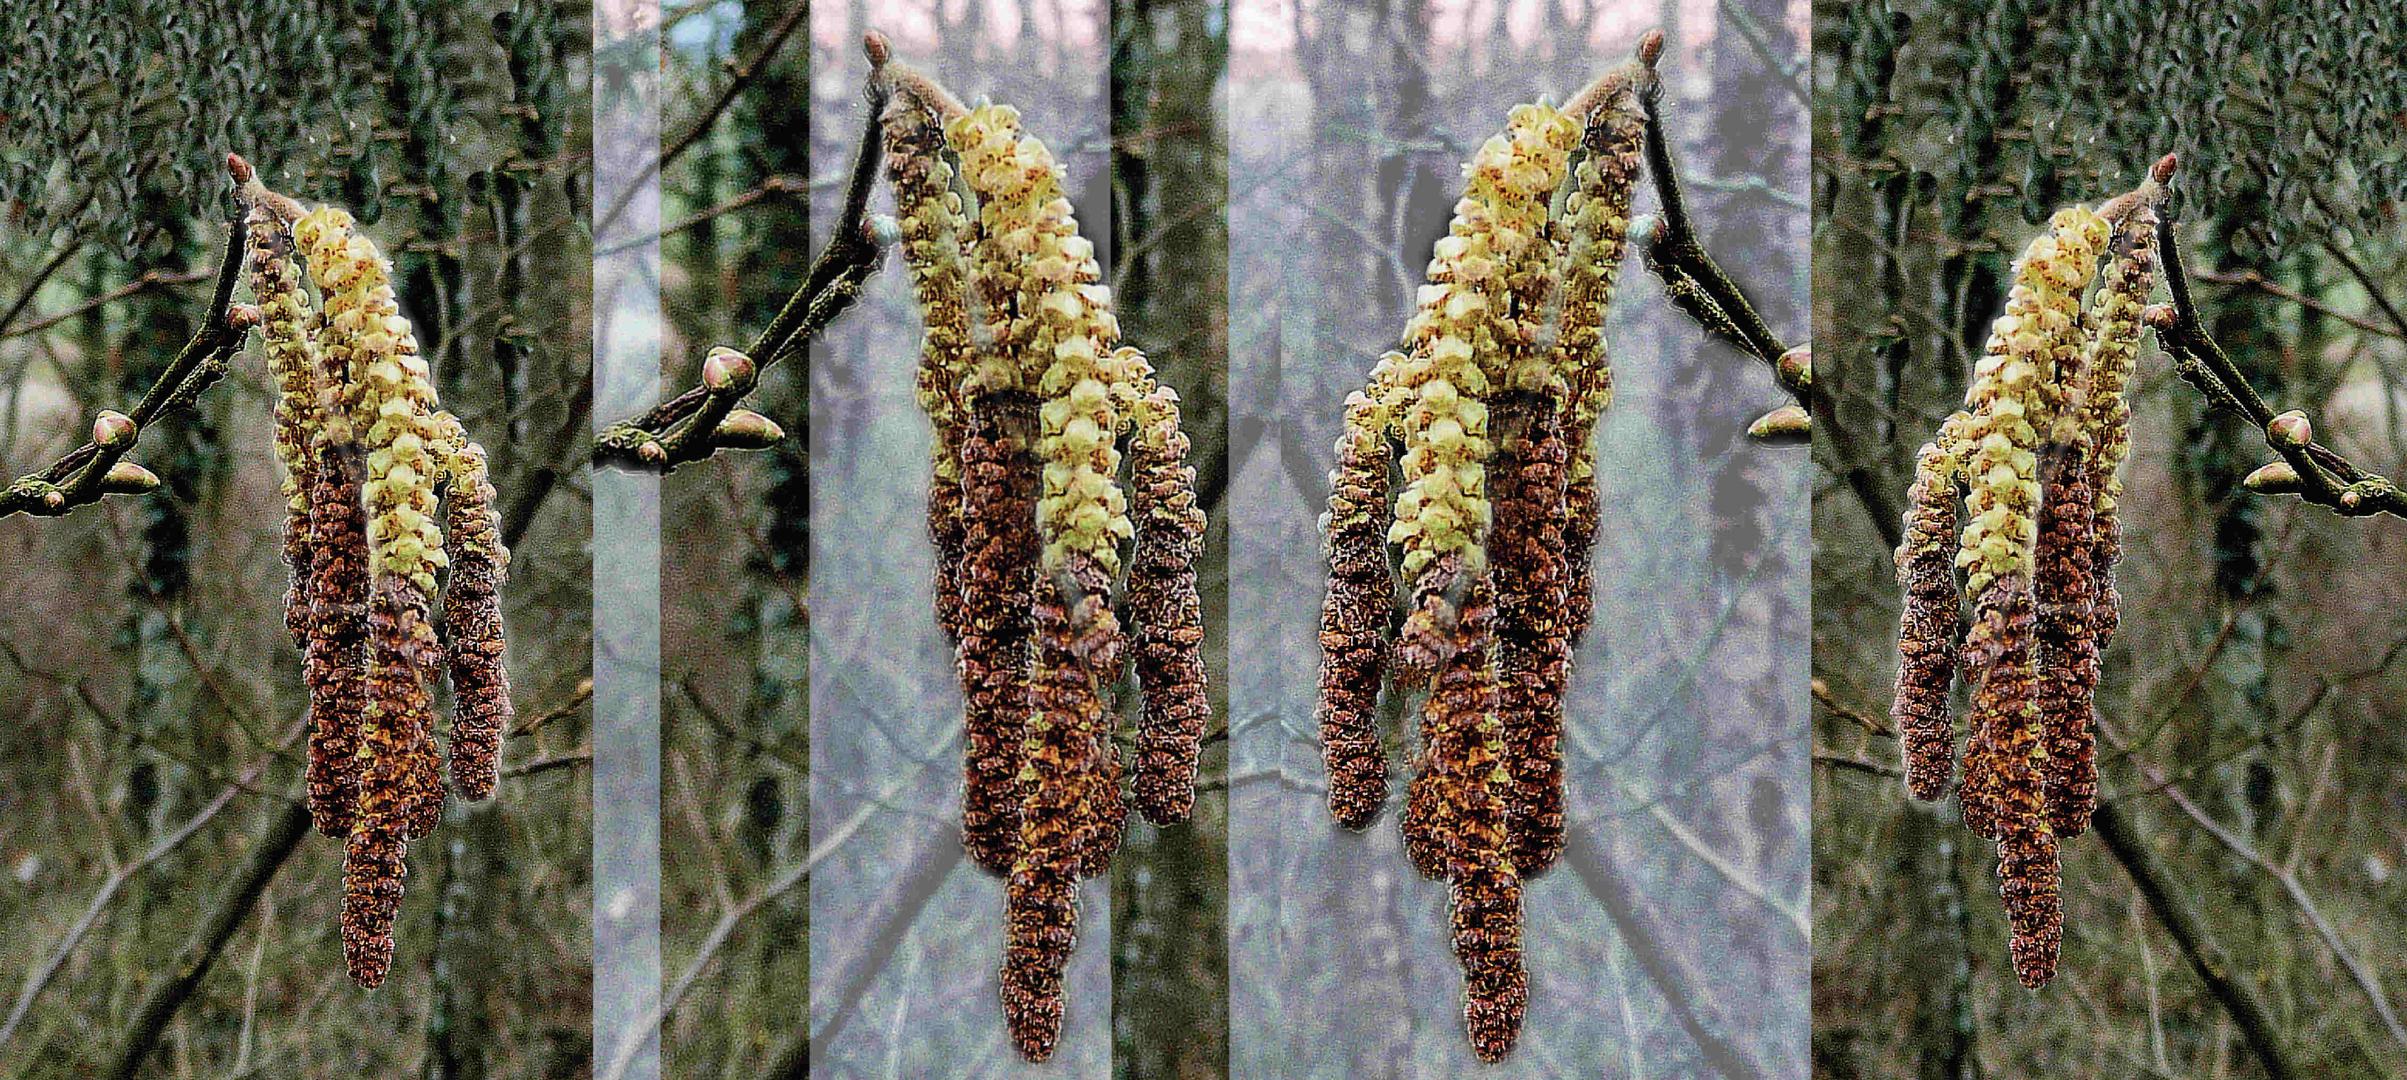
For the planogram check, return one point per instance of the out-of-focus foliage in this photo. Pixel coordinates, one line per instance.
(114, 105)
(2254, 678)
(2301, 101)
(153, 699)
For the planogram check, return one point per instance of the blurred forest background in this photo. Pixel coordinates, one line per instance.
(907, 935)
(159, 882)
(1673, 940)
(2249, 823)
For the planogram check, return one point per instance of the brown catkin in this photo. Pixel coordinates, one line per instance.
(999, 509)
(1999, 663)
(334, 662)
(404, 657)
(1463, 691)
(1580, 523)
(1470, 760)
(1533, 642)
(395, 749)
(2065, 590)
(1354, 618)
(1167, 612)
(2012, 754)
(372, 873)
(948, 532)
(1075, 638)
(480, 680)
(1927, 629)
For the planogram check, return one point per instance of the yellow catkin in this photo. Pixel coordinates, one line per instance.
(1464, 335)
(389, 399)
(1061, 328)
(2013, 395)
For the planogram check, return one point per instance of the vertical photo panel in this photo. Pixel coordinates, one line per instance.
(1516, 761)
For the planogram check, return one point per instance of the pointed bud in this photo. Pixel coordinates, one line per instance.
(2290, 429)
(1796, 367)
(1787, 425)
(874, 45)
(1650, 47)
(239, 169)
(728, 371)
(747, 430)
(2273, 478)
(127, 478)
(2163, 170)
(112, 430)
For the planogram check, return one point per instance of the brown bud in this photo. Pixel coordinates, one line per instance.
(652, 453)
(727, 371)
(2162, 171)
(745, 430)
(2290, 429)
(1796, 367)
(127, 478)
(1787, 425)
(239, 168)
(111, 430)
(874, 45)
(244, 316)
(2159, 316)
(2274, 478)
(1650, 47)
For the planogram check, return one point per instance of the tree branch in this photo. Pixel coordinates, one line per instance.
(92, 470)
(216, 928)
(703, 420)
(2188, 929)
(1698, 287)
(2308, 469)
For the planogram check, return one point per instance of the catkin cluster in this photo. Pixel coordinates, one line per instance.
(2017, 493)
(1032, 398)
(389, 511)
(1480, 426)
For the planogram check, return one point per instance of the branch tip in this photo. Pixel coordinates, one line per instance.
(875, 46)
(1650, 48)
(2162, 172)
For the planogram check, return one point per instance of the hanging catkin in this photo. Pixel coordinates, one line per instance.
(1029, 392)
(2034, 457)
(1932, 620)
(1164, 606)
(1354, 614)
(389, 507)
(1495, 398)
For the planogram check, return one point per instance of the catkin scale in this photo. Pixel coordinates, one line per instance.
(1354, 616)
(472, 624)
(999, 488)
(1533, 651)
(334, 663)
(1167, 611)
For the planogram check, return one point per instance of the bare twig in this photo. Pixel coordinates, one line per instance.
(92, 470)
(1698, 287)
(742, 76)
(2312, 471)
(175, 986)
(703, 420)
(2206, 956)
